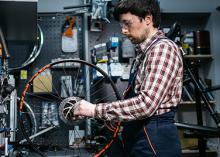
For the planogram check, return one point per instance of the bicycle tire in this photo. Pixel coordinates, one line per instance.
(75, 69)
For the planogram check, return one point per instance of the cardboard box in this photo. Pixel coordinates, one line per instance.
(42, 84)
(187, 143)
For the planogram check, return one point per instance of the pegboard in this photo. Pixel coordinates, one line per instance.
(109, 30)
(51, 25)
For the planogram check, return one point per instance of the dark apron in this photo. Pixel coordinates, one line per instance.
(156, 136)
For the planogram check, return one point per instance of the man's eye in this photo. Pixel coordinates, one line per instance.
(127, 23)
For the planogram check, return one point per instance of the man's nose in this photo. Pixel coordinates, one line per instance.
(124, 31)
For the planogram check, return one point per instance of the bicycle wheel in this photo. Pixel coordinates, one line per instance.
(47, 88)
(30, 122)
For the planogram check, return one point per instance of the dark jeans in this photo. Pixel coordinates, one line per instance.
(162, 134)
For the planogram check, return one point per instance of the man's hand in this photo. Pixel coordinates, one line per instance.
(73, 109)
(84, 108)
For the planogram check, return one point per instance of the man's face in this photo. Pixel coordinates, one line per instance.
(134, 28)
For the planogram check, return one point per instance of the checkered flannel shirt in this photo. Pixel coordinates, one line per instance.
(158, 85)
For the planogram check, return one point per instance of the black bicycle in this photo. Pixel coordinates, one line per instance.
(203, 98)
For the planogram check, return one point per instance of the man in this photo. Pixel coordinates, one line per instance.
(154, 89)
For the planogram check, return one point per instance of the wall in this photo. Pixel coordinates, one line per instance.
(194, 6)
(56, 5)
(214, 25)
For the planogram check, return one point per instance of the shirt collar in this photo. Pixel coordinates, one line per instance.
(145, 44)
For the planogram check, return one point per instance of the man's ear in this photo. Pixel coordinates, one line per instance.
(148, 19)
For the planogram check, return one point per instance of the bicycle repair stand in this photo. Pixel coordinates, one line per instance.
(5, 91)
(201, 95)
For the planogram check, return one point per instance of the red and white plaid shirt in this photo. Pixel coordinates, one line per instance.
(158, 84)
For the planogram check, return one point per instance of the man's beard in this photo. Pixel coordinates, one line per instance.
(137, 40)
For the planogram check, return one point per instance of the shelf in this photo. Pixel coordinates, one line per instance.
(213, 133)
(184, 16)
(195, 153)
(193, 102)
(198, 57)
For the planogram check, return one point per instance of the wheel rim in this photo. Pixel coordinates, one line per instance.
(77, 73)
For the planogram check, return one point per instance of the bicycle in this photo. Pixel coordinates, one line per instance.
(5, 91)
(8, 100)
(202, 97)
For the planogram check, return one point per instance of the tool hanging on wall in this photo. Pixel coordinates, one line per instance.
(69, 23)
(69, 35)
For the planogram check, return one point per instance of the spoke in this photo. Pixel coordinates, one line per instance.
(104, 98)
(75, 80)
(97, 82)
(44, 98)
(98, 90)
